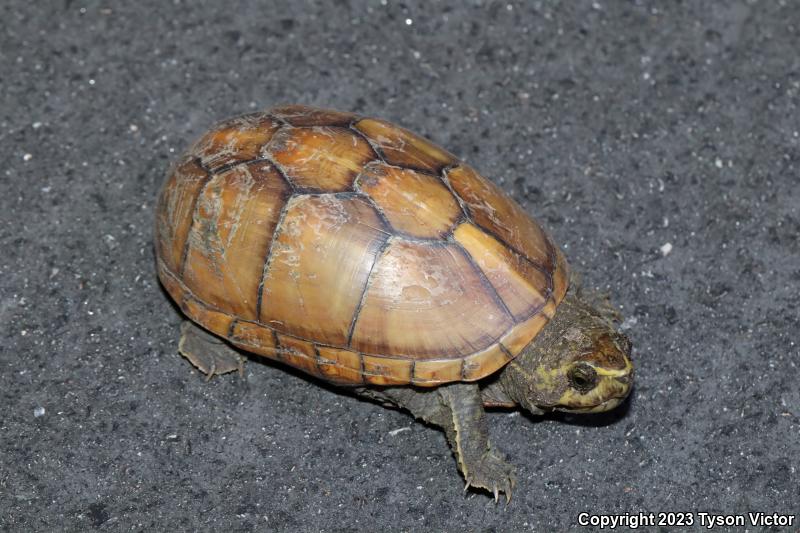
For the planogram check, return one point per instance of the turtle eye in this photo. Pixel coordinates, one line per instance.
(582, 378)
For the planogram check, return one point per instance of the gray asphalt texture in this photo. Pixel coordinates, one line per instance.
(658, 142)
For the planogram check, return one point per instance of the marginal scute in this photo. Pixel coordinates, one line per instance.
(414, 203)
(485, 362)
(234, 141)
(493, 210)
(171, 284)
(235, 218)
(386, 371)
(522, 287)
(297, 353)
(338, 365)
(402, 148)
(433, 372)
(323, 252)
(253, 337)
(213, 320)
(174, 211)
(523, 333)
(300, 115)
(320, 158)
(425, 301)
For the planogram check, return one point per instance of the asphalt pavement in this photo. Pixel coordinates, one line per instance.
(658, 142)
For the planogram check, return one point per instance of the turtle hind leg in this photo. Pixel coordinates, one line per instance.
(210, 354)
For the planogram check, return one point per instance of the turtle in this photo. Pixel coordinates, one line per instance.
(368, 257)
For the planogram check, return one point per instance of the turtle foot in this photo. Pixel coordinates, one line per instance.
(211, 355)
(494, 474)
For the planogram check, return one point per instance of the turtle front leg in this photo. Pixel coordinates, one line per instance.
(468, 435)
(458, 409)
(210, 354)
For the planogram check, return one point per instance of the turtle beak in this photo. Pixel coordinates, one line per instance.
(600, 408)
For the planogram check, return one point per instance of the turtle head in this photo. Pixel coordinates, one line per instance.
(578, 363)
(596, 378)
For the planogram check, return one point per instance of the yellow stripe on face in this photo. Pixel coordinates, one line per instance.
(610, 372)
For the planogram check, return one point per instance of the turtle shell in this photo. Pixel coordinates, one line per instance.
(353, 250)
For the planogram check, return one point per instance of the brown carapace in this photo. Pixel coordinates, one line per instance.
(353, 250)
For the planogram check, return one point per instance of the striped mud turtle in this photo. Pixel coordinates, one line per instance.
(366, 256)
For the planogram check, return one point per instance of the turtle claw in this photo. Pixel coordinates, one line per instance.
(211, 372)
(494, 474)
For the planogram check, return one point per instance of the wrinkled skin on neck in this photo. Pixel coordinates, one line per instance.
(579, 362)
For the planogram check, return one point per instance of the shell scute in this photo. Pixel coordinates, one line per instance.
(426, 302)
(297, 353)
(339, 365)
(414, 203)
(323, 253)
(234, 221)
(437, 371)
(493, 210)
(235, 141)
(403, 148)
(300, 115)
(319, 158)
(387, 371)
(523, 288)
(253, 337)
(175, 210)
